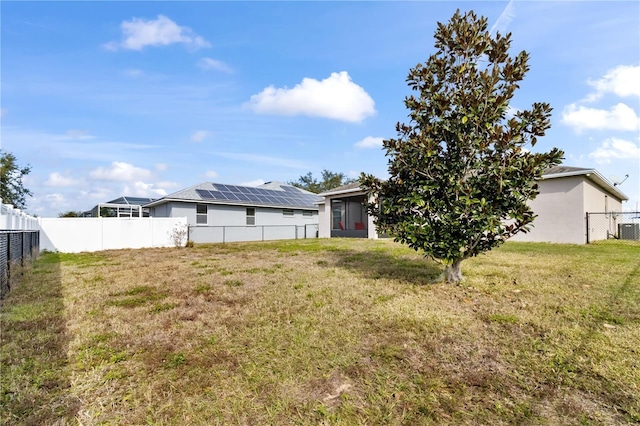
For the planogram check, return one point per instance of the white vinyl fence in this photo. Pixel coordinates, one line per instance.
(74, 235)
(12, 219)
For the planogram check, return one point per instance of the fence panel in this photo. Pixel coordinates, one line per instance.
(228, 234)
(17, 249)
(618, 225)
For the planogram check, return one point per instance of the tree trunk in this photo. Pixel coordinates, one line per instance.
(453, 272)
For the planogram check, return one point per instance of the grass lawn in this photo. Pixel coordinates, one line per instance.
(324, 332)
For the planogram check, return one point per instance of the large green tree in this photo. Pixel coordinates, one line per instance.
(328, 181)
(12, 190)
(462, 170)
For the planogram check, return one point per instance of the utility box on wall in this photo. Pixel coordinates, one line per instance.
(629, 231)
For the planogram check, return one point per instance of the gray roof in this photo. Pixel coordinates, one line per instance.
(557, 170)
(549, 173)
(270, 194)
(349, 187)
(591, 174)
(131, 201)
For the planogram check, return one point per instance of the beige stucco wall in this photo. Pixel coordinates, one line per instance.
(561, 216)
(371, 226)
(324, 220)
(598, 201)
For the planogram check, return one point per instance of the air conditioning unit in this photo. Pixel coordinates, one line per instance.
(629, 231)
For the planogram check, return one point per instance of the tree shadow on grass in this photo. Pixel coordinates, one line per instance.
(620, 308)
(33, 341)
(383, 264)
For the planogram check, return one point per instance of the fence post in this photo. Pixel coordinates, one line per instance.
(8, 262)
(587, 221)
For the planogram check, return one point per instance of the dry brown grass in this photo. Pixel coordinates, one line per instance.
(337, 332)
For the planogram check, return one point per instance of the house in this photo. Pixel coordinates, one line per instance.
(222, 213)
(120, 207)
(566, 195)
(342, 213)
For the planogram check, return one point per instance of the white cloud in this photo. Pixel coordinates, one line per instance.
(214, 64)
(336, 97)
(614, 148)
(200, 135)
(161, 167)
(55, 199)
(76, 134)
(622, 81)
(210, 174)
(120, 171)
(139, 33)
(502, 24)
(620, 117)
(369, 142)
(166, 184)
(256, 182)
(99, 194)
(57, 179)
(141, 189)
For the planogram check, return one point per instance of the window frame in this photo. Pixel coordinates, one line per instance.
(200, 215)
(250, 218)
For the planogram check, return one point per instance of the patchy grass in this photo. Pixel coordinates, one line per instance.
(336, 332)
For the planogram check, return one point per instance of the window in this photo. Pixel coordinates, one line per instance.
(307, 213)
(337, 214)
(287, 212)
(251, 216)
(201, 214)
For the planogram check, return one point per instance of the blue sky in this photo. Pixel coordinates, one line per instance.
(105, 99)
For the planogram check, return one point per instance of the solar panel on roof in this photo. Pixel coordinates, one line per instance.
(286, 197)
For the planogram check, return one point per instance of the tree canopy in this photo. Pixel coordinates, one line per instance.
(329, 181)
(70, 213)
(12, 190)
(461, 174)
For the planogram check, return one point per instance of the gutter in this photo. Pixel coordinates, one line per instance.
(227, 203)
(594, 176)
(344, 191)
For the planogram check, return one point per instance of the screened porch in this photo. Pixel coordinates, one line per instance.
(349, 217)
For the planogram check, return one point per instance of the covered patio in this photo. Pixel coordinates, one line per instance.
(344, 214)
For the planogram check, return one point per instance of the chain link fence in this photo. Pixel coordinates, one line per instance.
(17, 249)
(228, 234)
(618, 225)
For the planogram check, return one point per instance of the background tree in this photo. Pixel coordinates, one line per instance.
(329, 181)
(70, 213)
(460, 175)
(12, 190)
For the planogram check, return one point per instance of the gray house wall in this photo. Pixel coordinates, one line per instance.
(227, 223)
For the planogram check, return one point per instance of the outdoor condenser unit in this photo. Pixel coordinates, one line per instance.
(629, 231)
